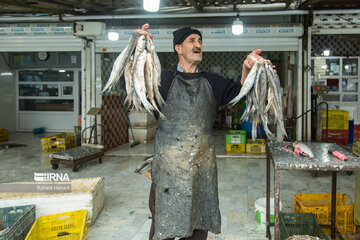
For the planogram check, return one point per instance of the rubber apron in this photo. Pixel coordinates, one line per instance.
(184, 170)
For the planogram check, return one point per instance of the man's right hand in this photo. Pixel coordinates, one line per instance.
(144, 30)
(249, 63)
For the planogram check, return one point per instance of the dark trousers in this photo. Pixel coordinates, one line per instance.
(197, 234)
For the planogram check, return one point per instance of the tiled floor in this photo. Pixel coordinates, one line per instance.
(125, 215)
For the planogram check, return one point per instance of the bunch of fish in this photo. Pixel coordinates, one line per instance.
(142, 71)
(261, 88)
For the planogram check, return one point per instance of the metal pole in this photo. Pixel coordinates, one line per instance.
(277, 202)
(268, 234)
(327, 122)
(333, 205)
(152, 16)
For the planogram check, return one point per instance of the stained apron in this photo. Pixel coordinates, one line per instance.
(184, 170)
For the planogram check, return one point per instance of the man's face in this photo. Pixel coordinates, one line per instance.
(191, 49)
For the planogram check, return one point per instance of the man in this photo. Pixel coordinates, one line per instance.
(184, 192)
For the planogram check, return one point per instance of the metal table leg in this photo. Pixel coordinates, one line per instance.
(333, 205)
(277, 202)
(268, 234)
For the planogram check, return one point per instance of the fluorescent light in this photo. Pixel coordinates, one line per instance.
(237, 27)
(6, 74)
(326, 52)
(151, 5)
(113, 36)
(62, 70)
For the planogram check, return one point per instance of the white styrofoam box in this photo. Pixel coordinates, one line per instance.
(141, 119)
(86, 193)
(143, 133)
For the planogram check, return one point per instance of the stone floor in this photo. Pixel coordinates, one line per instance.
(125, 215)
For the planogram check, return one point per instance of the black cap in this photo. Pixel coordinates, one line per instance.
(182, 33)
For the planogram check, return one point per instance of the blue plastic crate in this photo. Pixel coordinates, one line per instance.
(16, 222)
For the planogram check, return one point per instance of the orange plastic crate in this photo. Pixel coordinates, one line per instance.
(320, 205)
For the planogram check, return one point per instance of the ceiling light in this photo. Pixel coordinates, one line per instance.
(151, 5)
(237, 27)
(113, 35)
(326, 52)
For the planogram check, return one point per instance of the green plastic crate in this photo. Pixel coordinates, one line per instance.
(16, 222)
(300, 224)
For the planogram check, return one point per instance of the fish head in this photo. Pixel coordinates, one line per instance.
(141, 43)
(150, 44)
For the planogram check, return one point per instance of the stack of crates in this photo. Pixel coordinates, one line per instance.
(319, 204)
(4, 135)
(235, 141)
(58, 142)
(338, 126)
(15, 222)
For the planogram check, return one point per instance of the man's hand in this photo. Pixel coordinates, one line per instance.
(249, 63)
(144, 30)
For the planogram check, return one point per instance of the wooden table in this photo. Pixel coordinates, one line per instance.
(283, 159)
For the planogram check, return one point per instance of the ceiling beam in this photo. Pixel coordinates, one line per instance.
(309, 3)
(194, 3)
(323, 4)
(32, 7)
(75, 4)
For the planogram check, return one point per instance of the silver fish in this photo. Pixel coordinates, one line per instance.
(139, 79)
(248, 84)
(121, 60)
(304, 149)
(149, 82)
(129, 81)
(156, 74)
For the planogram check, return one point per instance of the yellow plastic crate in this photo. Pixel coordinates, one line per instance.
(256, 148)
(356, 150)
(320, 205)
(235, 147)
(58, 142)
(61, 226)
(58, 139)
(54, 148)
(337, 120)
(4, 135)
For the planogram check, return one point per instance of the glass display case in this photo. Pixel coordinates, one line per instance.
(350, 67)
(333, 85)
(341, 75)
(350, 85)
(47, 90)
(350, 98)
(46, 105)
